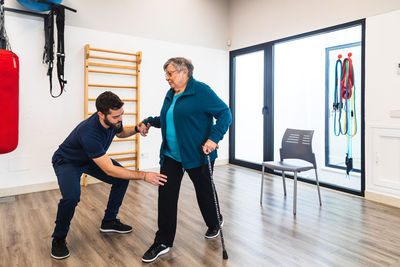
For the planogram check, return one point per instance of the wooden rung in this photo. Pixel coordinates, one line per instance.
(113, 59)
(111, 86)
(112, 51)
(126, 113)
(129, 165)
(124, 140)
(111, 66)
(125, 159)
(124, 100)
(113, 72)
(121, 153)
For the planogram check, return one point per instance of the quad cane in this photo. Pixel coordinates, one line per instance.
(224, 253)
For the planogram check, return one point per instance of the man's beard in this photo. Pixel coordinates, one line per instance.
(115, 126)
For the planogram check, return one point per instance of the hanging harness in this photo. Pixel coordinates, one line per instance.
(48, 54)
(344, 105)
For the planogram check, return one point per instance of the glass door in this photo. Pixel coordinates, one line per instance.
(248, 99)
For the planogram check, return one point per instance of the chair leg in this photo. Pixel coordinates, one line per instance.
(262, 184)
(319, 193)
(284, 183)
(294, 192)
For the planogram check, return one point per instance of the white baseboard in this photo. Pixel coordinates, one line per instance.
(220, 162)
(385, 199)
(25, 189)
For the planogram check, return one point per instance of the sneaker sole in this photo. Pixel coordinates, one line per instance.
(59, 258)
(114, 231)
(209, 237)
(162, 252)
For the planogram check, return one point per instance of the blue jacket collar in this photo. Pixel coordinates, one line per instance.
(189, 90)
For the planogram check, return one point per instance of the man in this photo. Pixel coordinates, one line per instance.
(84, 151)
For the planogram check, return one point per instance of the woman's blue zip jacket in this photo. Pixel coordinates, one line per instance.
(194, 115)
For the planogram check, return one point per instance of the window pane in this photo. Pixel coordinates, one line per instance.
(249, 88)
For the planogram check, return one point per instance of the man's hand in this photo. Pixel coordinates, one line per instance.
(209, 147)
(155, 178)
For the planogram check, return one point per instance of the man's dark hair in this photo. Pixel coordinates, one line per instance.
(106, 101)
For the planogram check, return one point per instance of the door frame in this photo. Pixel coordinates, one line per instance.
(268, 137)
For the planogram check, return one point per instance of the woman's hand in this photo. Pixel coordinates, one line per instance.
(144, 129)
(209, 147)
(155, 178)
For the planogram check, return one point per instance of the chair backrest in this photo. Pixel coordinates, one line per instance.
(297, 144)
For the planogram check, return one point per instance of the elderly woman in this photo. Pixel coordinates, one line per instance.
(188, 132)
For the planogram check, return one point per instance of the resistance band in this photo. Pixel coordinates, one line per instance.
(344, 105)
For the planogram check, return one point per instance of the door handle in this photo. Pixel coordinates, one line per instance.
(264, 110)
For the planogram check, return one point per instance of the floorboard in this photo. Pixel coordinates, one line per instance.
(346, 231)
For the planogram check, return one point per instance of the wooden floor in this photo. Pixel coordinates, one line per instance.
(345, 231)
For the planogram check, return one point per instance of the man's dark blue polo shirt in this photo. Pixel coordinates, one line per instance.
(87, 141)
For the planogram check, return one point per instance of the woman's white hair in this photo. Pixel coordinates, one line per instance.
(180, 63)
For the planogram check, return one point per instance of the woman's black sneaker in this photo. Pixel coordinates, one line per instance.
(214, 231)
(115, 226)
(157, 249)
(59, 249)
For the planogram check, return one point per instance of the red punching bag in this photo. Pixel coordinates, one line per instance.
(9, 100)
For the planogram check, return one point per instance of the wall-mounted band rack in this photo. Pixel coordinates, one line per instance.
(31, 13)
(108, 70)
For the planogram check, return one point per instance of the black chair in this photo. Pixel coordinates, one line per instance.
(296, 156)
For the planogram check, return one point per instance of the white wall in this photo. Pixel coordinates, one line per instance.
(194, 22)
(45, 122)
(257, 21)
(382, 101)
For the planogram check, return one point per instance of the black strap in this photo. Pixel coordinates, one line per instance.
(3, 34)
(48, 54)
(60, 45)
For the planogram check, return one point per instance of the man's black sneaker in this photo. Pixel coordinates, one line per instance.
(157, 249)
(115, 226)
(59, 249)
(214, 231)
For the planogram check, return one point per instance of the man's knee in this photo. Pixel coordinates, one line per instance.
(70, 200)
(123, 182)
(120, 183)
